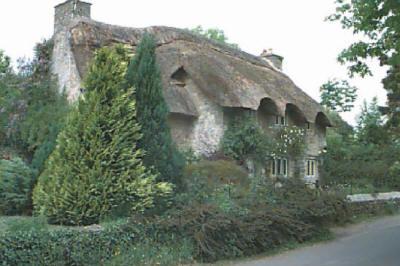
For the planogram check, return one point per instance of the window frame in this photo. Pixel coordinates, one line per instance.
(311, 167)
(280, 167)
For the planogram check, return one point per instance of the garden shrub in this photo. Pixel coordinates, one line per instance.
(155, 253)
(311, 205)
(97, 167)
(217, 234)
(218, 182)
(16, 180)
(244, 139)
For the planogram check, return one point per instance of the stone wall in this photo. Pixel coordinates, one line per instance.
(181, 130)
(208, 128)
(388, 196)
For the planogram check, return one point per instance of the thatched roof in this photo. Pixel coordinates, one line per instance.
(229, 77)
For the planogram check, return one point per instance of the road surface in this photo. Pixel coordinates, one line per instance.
(375, 243)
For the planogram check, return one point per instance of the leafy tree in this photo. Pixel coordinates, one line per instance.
(4, 63)
(152, 111)
(96, 168)
(370, 124)
(214, 34)
(33, 111)
(378, 22)
(363, 158)
(338, 95)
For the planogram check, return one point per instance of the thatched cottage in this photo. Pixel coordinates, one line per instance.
(205, 84)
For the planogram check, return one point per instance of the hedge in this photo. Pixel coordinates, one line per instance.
(63, 247)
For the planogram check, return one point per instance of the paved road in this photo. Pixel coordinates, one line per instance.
(375, 243)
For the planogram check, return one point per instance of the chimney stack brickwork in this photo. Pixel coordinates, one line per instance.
(63, 62)
(275, 59)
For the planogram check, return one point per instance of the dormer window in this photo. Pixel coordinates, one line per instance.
(179, 77)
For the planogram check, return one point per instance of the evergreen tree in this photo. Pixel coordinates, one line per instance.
(370, 126)
(96, 167)
(152, 112)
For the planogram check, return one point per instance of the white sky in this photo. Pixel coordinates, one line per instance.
(293, 29)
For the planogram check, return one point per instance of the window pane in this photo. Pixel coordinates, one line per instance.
(278, 163)
(273, 167)
(313, 168)
(284, 167)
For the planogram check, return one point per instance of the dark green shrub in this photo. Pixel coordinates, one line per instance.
(152, 111)
(244, 139)
(63, 247)
(25, 224)
(16, 180)
(219, 182)
(216, 173)
(311, 205)
(217, 234)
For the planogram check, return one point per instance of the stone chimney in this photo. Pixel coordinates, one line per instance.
(67, 11)
(273, 59)
(63, 60)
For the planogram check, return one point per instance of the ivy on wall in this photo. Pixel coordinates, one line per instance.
(244, 139)
(290, 140)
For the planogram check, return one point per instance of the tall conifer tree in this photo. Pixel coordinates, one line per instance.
(96, 167)
(152, 112)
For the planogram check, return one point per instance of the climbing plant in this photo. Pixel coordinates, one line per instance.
(289, 140)
(244, 139)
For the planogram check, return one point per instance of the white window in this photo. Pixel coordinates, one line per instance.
(279, 167)
(280, 120)
(311, 167)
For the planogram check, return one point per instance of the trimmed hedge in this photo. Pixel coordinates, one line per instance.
(63, 247)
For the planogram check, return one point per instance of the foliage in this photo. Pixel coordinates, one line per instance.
(377, 21)
(152, 111)
(16, 180)
(216, 182)
(363, 158)
(33, 110)
(292, 213)
(62, 247)
(115, 245)
(215, 34)
(338, 95)
(370, 124)
(244, 139)
(27, 224)
(290, 140)
(96, 167)
(4, 63)
(154, 253)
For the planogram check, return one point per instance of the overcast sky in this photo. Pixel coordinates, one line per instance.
(294, 29)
